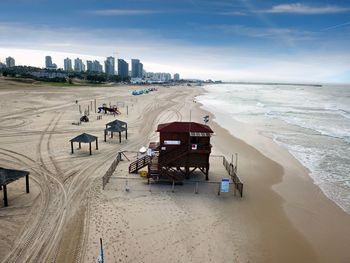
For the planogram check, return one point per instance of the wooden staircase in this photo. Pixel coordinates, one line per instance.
(139, 163)
(158, 172)
(160, 167)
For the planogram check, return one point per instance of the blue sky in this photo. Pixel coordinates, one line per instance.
(229, 40)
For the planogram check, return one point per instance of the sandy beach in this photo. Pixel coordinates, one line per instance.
(282, 217)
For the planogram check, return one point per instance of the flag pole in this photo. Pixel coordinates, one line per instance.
(102, 257)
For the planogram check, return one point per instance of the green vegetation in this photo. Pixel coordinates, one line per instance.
(59, 77)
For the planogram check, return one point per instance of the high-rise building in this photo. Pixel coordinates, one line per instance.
(123, 68)
(68, 64)
(49, 64)
(89, 65)
(79, 65)
(98, 67)
(110, 66)
(10, 62)
(176, 77)
(2, 65)
(94, 66)
(136, 68)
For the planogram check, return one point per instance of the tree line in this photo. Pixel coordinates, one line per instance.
(63, 76)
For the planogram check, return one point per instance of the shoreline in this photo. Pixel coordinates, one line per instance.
(310, 211)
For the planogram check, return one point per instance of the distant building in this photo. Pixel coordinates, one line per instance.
(49, 64)
(94, 66)
(176, 77)
(68, 64)
(136, 68)
(2, 65)
(79, 65)
(157, 77)
(89, 65)
(110, 66)
(10, 62)
(123, 68)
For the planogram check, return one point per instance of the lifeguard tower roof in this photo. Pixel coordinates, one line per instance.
(184, 127)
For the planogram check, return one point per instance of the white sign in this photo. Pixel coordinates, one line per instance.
(225, 185)
(172, 142)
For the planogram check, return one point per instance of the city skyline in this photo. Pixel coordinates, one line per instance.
(137, 72)
(241, 40)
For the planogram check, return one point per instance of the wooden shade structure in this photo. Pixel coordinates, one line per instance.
(116, 126)
(84, 138)
(8, 176)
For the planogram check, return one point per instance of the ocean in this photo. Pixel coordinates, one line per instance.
(312, 122)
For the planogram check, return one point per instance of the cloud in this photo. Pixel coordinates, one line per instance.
(287, 35)
(233, 13)
(30, 45)
(336, 26)
(122, 12)
(302, 9)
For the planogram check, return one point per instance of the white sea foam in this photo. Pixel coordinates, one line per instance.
(312, 123)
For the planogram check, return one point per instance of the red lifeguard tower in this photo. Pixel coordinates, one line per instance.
(183, 147)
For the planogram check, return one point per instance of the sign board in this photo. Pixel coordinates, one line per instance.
(225, 185)
(172, 142)
(194, 146)
(206, 118)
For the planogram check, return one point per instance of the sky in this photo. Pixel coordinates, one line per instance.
(231, 40)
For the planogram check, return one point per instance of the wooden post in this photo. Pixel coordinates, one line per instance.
(120, 137)
(96, 144)
(95, 106)
(91, 105)
(90, 147)
(88, 112)
(207, 173)
(79, 145)
(71, 144)
(27, 183)
(196, 189)
(127, 110)
(219, 189)
(173, 187)
(126, 186)
(126, 132)
(5, 196)
(80, 108)
(101, 248)
(105, 134)
(236, 163)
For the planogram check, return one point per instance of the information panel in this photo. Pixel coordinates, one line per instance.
(225, 185)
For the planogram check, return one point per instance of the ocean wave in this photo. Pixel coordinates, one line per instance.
(305, 121)
(325, 129)
(334, 181)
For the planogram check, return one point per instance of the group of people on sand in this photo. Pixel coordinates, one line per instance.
(113, 110)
